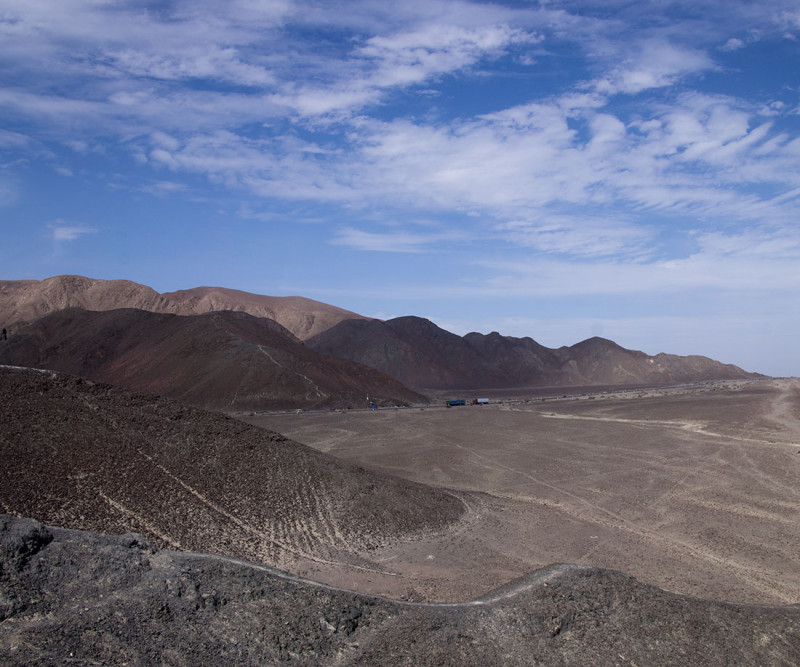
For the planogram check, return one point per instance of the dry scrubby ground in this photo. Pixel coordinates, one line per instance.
(692, 489)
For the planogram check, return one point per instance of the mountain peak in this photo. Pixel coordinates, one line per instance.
(24, 301)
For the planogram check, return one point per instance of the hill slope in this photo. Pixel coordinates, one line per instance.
(423, 356)
(22, 301)
(90, 456)
(411, 348)
(66, 595)
(221, 360)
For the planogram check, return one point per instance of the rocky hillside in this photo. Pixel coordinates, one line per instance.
(423, 356)
(67, 596)
(411, 348)
(221, 360)
(90, 456)
(22, 301)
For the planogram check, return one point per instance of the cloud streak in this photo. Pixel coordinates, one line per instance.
(65, 232)
(398, 242)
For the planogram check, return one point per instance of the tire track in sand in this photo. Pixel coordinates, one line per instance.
(285, 545)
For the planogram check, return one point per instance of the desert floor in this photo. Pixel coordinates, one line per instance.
(694, 489)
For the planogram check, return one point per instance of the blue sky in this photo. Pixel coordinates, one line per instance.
(548, 169)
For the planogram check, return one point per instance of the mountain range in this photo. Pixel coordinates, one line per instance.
(226, 349)
(422, 355)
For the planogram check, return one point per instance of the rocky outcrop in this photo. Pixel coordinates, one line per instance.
(69, 596)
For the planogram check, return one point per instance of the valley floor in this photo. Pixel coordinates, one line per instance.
(692, 489)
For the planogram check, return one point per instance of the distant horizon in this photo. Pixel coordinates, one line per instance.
(555, 169)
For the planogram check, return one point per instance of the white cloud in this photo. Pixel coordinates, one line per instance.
(283, 167)
(752, 244)
(398, 60)
(215, 62)
(733, 44)
(413, 57)
(308, 101)
(164, 188)
(477, 164)
(64, 232)
(653, 64)
(132, 54)
(112, 39)
(694, 155)
(789, 20)
(526, 169)
(765, 271)
(14, 140)
(51, 106)
(577, 235)
(400, 242)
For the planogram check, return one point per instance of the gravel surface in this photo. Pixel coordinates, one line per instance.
(694, 489)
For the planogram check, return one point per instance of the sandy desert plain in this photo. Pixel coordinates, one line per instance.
(694, 489)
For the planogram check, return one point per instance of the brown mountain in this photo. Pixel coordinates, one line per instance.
(221, 360)
(95, 457)
(411, 348)
(423, 356)
(22, 301)
(605, 362)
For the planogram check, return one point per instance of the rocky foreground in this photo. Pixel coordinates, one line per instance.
(84, 598)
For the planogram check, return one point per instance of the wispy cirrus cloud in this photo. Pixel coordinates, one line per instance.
(61, 231)
(525, 169)
(414, 57)
(391, 241)
(733, 44)
(578, 236)
(653, 64)
(728, 263)
(118, 62)
(399, 60)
